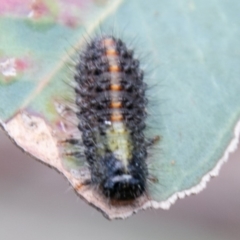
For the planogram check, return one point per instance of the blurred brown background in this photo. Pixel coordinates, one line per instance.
(36, 202)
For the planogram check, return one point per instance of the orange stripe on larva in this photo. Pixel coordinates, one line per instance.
(115, 87)
(116, 117)
(114, 68)
(111, 52)
(108, 42)
(116, 104)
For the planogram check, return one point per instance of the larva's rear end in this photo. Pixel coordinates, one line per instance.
(111, 100)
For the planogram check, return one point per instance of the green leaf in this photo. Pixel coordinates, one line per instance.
(192, 53)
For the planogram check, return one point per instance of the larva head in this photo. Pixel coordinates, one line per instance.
(120, 182)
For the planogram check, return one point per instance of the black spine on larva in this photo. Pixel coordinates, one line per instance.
(90, 84)
(93, 98)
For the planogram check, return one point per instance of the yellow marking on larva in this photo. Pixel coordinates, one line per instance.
(116, 104)
(117, 117)
(115, 87)
(114, 68)
(119, 142)
(111, 52)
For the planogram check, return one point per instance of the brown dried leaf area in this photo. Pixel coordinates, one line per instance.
(36, 137)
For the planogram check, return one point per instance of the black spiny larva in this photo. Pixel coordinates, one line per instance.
(111, 103)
